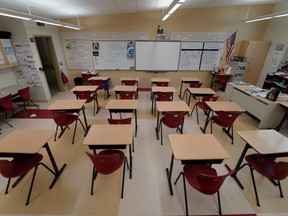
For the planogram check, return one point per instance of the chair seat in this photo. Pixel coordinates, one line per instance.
(192, 171)
(117, 164)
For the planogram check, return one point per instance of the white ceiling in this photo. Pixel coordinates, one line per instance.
(60, 9)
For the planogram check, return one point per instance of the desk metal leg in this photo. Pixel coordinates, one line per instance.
(130, 158)
(136, 123)
(85, 120)
(96, 100)
(57, 172)
(247, 146)
(180, 93)
(169, 174)
(157, 126)
(206, 122)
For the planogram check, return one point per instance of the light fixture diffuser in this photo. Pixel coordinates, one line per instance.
(173, 7)
(266, 17)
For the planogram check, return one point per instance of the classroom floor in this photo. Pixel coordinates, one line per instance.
(147, 193)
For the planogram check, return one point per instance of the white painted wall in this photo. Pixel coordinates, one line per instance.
(277, 33)
(21, 32)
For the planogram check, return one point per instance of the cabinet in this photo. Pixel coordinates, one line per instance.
(255, 52)
(7, 54)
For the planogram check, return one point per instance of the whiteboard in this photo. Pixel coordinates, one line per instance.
(210, 59)
(113, 55)
(157, 55)
(190, 59)
(78, 54)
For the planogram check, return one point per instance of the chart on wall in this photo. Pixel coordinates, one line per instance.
(78, 54)
(113, 55)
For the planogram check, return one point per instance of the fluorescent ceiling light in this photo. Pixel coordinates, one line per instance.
(26, 16)
(174, 5)
(266, 17)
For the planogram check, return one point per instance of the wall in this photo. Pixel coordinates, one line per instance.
(219, 19)
(278, 34)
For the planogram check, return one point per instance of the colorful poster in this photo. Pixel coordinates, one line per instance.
(6, 43)
(130, 50)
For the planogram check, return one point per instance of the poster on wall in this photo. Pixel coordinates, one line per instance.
(277, 55)
(26, 73)
(6, 43)
(2, 60)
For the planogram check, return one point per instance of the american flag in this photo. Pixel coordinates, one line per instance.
(230, 44)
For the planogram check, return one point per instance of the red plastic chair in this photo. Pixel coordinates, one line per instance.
(23, 96)
(172, 120)
(88, 96)
(100, 84)
(161, 83)
(120, 121)
(126, 95)
(107, 162)
(203, 178)
(164, 96)
(85, 78)
(225, 120)
(191, 85)
(202, 105)
(6, 105)
(129, 82)
(63, 119)
(19, 167)
(268, 168)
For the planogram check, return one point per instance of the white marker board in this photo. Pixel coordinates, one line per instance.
(157, 55)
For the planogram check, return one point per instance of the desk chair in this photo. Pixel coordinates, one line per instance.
(225, 120)
(88, 96)
(100, 84)
(172, 120)
(63, 119)
(162, 96)
(222, 81)
(129, 82)
(19, 167)
(161, 83)
(23, 96)
(191, 85)
(107, 162)
(267, 167)
(85, 78)
(203, 178)
(202, 105)
(78, 81)
(126, 95)
(6, 105)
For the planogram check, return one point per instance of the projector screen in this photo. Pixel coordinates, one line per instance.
(157, 55)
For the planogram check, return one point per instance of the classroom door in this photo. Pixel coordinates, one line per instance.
(51, 69)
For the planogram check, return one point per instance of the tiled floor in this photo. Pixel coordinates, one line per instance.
(147, 193)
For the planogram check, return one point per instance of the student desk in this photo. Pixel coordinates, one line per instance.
(199, 92)
(194, 148)
(20, 142)
(122, 79)
(92, 89)
(156, 89)
(264, 142)
(217, 106)
(187, 80)
(285, 117)
(105, 83)
(169, 106)
(110, 137)
(123, 106)
(123, 88)
(70, 106)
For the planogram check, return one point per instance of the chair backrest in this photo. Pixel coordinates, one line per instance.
(223, 79)
(280, 170)
(120, 121)
(98, 83)
(104, 164)
(210, 98)
(164, 96)
(173, 119)
(19, 166)
(85, 77)
(6, 103)
(84, 95)
(63, 118)
(226, 119)
(210, 184)
(195, 85)
(161, 83)
(129, 82)
(126, 95)
(24, 93)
